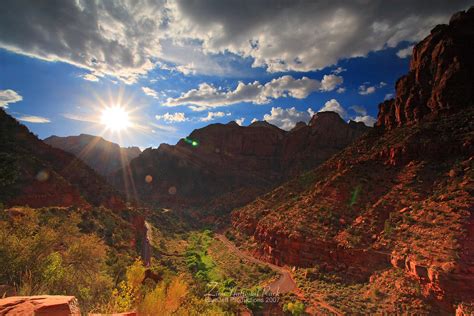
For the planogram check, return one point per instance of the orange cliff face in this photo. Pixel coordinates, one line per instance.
(229, 165)
(401, 197)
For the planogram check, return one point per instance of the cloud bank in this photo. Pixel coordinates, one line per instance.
(207, 96)
(126, 39)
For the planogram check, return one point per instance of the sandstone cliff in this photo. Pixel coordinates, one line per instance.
(224, 165)
(441, 76)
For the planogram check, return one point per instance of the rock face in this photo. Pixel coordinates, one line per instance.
(36, 174)
(400, 196)
(101, 155)
(441, 76)
(47, 305)
(225, 165)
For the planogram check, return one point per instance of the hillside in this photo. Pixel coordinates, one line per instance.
(101, 155)
(225, 165)
(36, 174)
(387, 224)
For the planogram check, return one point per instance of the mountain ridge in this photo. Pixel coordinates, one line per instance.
(224, 165)
(103, 156)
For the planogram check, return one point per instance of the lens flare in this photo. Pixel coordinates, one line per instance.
(191, 142)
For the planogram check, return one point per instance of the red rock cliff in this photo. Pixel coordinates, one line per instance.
(441, 76)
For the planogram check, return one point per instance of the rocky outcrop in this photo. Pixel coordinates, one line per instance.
(47, 305)
(441, 76)
(225, 165)
(101, 155)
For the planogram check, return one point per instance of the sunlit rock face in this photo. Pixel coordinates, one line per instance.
(441, 76)
(225, 165)
(103, 156)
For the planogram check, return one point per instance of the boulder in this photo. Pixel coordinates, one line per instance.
(47, 305)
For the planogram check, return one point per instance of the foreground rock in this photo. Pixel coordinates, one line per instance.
(47, 305)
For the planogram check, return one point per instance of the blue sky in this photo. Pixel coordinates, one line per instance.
(59, 83)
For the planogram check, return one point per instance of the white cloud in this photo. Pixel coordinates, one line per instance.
(365, 90)
(172, 118)
(240, 121)
(126, 39)
(150, 92)
(341, 90)
(207, 96)
(212, 115)
(80, 118)
(9, 96)
(90, 77)
(334, 106)
(287, 118)
(404, 53)
(330, 82)
(366, 119)
(33, 119)
(359, 109)
(254, 120)
(338, 70)
(388, 96)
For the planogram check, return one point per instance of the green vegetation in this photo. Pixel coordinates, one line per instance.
(294, 308)
(42, 253)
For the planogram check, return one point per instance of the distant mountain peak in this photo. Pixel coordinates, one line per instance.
(101, 155)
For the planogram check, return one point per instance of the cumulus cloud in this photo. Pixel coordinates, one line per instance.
(207, 96)
(303, 36)
(287, 118)
(240, 121)
(366, 90)
(366, 119)
(334, 106)
(341, 90)
(33, 119)
(330, 82)
(127, 38)
(404, 53)
(9, 96)
(212, 115)
(150, 92)
(362, 116)
(172, 117)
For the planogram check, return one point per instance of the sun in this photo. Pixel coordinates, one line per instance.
(115, 118)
